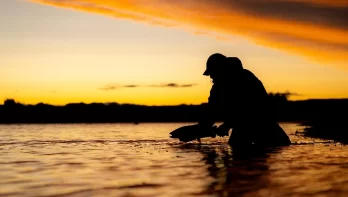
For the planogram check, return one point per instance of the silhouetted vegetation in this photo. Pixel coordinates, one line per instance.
(326, 118)
(13, 112)
(329, 121)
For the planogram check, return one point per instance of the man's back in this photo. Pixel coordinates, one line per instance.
(252, 116)
(245, 95)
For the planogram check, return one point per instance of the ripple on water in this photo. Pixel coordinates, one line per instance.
(92, 160)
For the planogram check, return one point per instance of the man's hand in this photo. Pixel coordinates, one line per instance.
(222, 130)
(192, 132)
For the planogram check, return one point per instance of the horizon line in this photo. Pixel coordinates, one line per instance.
(114, 102)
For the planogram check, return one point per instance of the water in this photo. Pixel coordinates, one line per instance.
(141, 160)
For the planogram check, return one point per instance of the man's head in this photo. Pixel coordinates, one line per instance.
(215, 64)
(220, 66)
(234, 64)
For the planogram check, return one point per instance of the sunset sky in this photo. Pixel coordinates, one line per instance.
(154, 52)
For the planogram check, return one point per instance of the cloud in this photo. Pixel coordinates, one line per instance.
(131, 86)
(165, 85)
(173, 85)
(316, 29)
(114, 87)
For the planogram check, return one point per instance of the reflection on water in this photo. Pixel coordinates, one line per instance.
(140, 160)
(277, 171)
(235, 173)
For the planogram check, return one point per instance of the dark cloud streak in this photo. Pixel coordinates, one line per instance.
(173, 85)
(296, 11)
(165, 85)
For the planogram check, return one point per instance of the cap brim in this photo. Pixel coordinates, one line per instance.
(206, 73)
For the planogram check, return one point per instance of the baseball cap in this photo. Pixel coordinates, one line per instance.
(215, 59)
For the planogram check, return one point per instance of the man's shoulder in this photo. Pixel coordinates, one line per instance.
(248, 74)
(251, 79)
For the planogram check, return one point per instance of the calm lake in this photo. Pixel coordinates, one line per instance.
(141, 160)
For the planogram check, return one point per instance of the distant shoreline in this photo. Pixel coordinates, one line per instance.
(282, 110)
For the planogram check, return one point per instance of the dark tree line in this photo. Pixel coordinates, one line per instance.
(325, 118)
(284, 110)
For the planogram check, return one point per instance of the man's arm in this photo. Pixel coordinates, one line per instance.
(209, 111)
(206, 119)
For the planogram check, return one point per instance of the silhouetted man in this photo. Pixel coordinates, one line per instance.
(242, 99)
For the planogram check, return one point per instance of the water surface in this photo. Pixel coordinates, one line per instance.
(141, 160)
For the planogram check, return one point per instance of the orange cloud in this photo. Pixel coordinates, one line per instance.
(314, 29)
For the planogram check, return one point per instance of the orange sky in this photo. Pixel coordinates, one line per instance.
(154, 51)
(314, 29)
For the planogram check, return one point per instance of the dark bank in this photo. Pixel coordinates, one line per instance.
(285, 111)
(323, 114)
(325, 118)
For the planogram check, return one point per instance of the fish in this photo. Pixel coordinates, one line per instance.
(193, 132)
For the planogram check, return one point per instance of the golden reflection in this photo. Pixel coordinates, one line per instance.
(235, 172)
(139, 160)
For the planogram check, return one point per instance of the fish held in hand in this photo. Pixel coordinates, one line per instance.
(193, 132)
